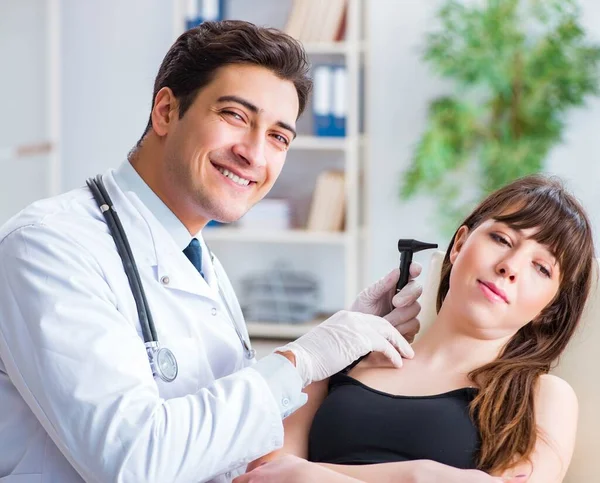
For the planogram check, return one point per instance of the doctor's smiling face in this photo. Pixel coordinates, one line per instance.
(224, 108)
(228, 149)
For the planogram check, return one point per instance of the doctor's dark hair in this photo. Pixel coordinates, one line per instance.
(503, 410)
(193, 60)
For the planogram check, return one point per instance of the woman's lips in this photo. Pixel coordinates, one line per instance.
(492, 292)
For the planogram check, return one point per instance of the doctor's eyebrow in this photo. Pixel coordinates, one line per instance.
(253, 108)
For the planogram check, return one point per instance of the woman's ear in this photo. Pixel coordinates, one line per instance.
(459, 241)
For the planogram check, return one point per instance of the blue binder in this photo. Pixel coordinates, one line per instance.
(199, 11)
(340, 101)
(322, 101)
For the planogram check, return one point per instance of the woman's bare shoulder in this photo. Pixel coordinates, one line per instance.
(554, 392)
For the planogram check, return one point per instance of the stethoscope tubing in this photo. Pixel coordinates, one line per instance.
(117, 231)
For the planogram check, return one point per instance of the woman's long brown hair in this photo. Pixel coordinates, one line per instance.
(504, 407)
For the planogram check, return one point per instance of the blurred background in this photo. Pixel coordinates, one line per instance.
(419, 109)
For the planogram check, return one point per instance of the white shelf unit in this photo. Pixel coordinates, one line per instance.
(352, 52)
(276, 236)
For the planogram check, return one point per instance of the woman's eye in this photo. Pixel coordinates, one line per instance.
(500, 239)
(543, 270)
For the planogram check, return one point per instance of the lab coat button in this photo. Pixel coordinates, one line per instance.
(165, 280)
(228, 474)
(214, 311)
(285, 401)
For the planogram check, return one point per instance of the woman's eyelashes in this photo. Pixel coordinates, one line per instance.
(543, 270)
(504, 241)
(500, 239)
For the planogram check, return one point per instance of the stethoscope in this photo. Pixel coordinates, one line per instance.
(162, 360)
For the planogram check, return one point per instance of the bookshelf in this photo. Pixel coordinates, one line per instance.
(292, 236)
(312, 153)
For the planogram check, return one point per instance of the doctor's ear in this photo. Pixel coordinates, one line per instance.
(164, 111)
(459, 240)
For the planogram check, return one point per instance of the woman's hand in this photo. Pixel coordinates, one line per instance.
(432, 472)
(286, 468)
(292, 469)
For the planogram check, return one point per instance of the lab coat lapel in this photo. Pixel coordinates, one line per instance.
(153, 246)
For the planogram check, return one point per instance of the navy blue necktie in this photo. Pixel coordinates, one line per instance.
(194, 253)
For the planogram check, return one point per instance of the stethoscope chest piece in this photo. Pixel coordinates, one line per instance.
(162, 361)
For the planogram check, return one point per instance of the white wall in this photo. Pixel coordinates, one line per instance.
(23, 77)
(401, 86)
(111, 51)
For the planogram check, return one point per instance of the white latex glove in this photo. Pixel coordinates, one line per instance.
(399, 309)
(343, 338)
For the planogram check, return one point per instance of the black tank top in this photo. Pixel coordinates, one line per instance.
(357, 424)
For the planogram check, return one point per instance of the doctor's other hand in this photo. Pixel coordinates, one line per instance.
(340, 340)
(399, 309)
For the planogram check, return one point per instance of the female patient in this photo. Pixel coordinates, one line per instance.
(477, 394)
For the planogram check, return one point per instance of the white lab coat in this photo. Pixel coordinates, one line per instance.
(77, 396)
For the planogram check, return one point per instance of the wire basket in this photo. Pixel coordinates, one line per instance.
(280, 295)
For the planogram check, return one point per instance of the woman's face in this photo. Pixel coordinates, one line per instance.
(501, 278)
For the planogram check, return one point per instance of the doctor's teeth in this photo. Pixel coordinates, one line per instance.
(234, 177)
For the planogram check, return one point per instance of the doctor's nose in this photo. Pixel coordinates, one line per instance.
(251, 150)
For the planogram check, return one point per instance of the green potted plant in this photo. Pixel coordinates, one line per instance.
(518, 66)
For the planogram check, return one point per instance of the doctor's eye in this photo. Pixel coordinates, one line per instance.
(281, 139)
(500, 239)
(233, 114)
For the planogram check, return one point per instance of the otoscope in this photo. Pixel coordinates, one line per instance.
(406, 249)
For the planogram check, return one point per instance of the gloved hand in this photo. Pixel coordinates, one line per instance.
(340, 340)
(399, 309)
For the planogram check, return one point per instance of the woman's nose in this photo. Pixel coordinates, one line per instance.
(506, 270)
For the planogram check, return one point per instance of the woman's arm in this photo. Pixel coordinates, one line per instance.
(297, 425)
(556, 410)
(419, 471)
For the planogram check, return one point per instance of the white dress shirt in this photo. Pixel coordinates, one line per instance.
(77, 398)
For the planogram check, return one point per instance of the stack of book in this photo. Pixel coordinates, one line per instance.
(267, 214)
(328, 203)
(317, 20)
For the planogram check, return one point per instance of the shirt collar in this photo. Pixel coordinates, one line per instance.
(128, 179)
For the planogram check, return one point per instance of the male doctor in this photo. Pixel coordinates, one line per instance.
(78, 400)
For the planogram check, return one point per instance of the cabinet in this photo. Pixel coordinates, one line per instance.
(335, 259)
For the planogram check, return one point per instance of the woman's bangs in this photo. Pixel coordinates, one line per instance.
(560, 227)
